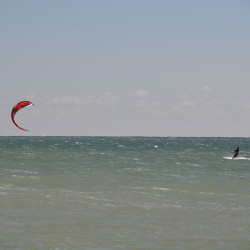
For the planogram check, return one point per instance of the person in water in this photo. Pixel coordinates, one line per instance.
(236, 151)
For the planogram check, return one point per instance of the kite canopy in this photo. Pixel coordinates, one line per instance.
(18, 107)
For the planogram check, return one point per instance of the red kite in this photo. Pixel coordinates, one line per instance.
(16, 108)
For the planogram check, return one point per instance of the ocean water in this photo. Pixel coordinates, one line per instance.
(124, 193)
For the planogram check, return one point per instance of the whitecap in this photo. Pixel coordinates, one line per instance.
(237, 158)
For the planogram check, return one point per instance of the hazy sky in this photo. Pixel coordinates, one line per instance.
(126, 67)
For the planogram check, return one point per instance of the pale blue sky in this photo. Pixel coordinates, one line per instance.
(126, 67)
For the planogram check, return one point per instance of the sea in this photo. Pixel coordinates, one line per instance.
(124, 193)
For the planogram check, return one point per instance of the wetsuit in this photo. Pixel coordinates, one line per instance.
(236, 152)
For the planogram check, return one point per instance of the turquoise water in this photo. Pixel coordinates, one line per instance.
(124, 193)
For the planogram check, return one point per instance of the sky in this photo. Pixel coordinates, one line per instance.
(126, 67)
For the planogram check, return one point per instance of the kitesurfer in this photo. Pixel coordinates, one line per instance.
(236, 152)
